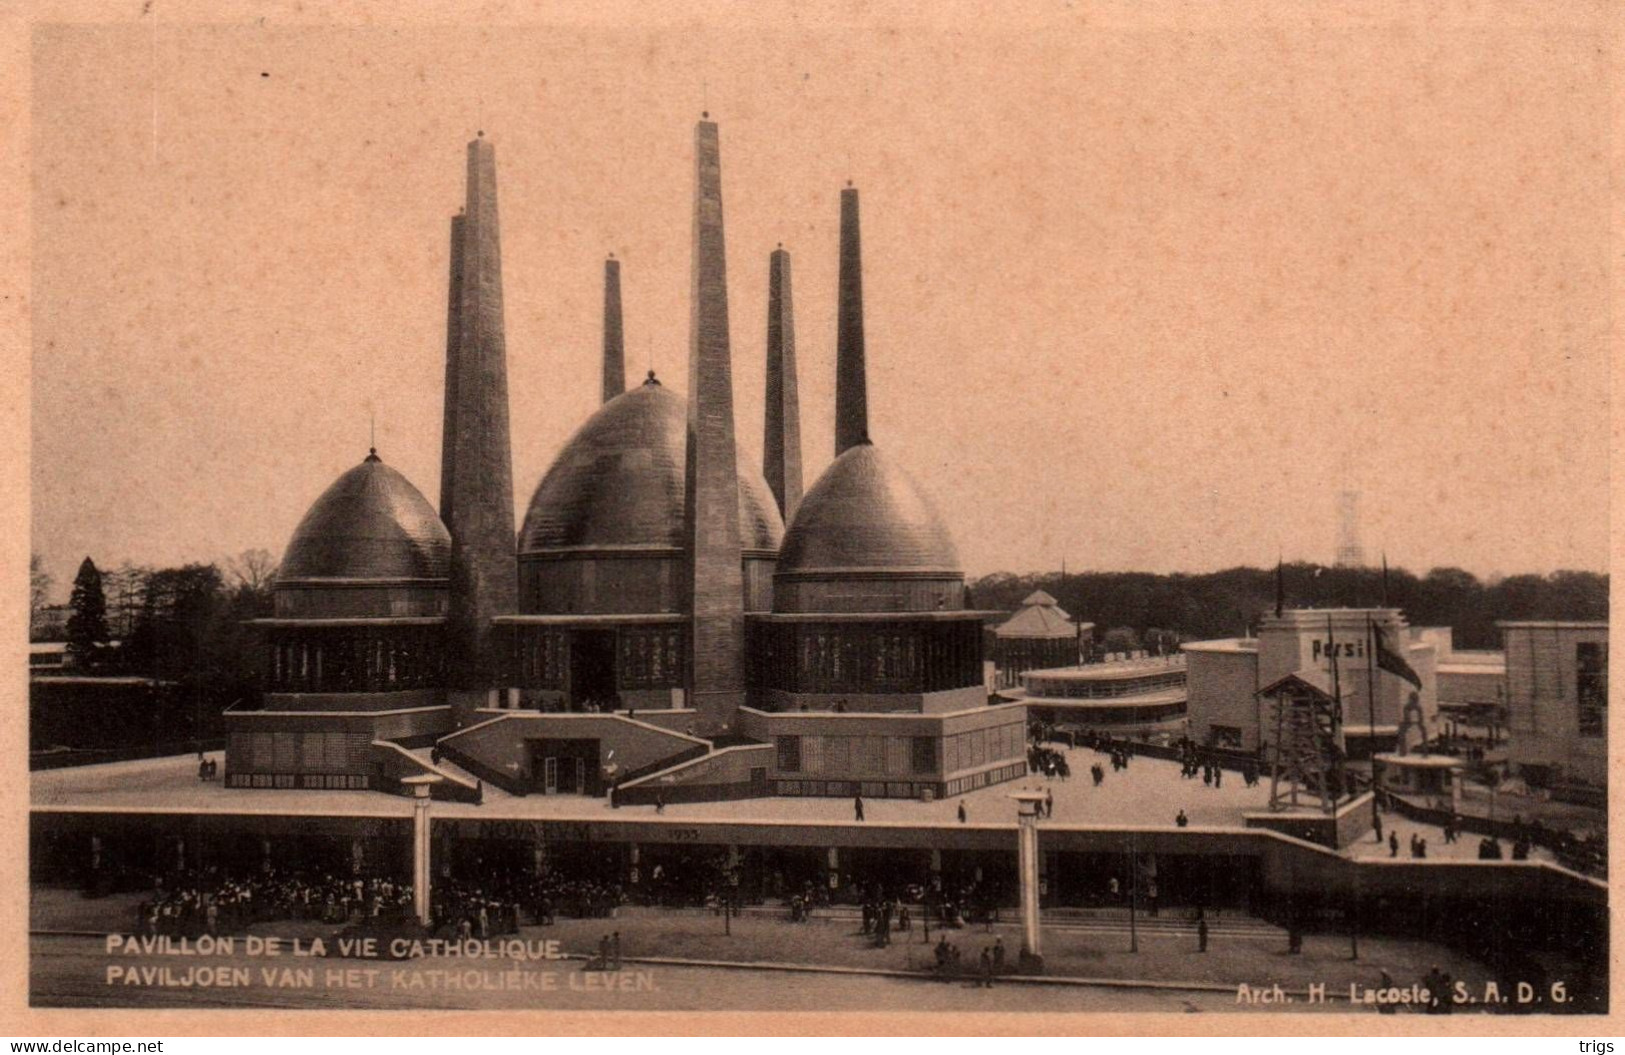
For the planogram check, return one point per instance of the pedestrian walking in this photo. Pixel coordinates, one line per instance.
(962, 812)
(1181, 820)
(857, 807)
(1049, 803)
(615, 949)
(1393, 844)
(1201, 935)
(987, 969)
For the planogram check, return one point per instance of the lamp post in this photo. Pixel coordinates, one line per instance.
(421, 786)
(1028, 804)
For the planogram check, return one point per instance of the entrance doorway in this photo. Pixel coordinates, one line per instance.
(592, 669)
(565, 767)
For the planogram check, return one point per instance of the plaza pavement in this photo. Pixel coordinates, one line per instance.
(1149, 793)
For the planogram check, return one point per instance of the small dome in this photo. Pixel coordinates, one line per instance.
(618, 483)
(867, 514)
(371, 524)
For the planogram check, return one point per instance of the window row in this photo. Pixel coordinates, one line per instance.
(875, 756)
(981, 746)
(869, 789)
(650, 659)
(1091, 689)
(288, 751)
(847, 657)
(356, 662)
(643, 657)
(309, 781)
(962, 785)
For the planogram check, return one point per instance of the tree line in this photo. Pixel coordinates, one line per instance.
(185, 625)
(1135, 609)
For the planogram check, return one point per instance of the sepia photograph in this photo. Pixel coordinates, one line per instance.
(1047, 510)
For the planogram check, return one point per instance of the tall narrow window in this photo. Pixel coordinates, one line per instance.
(1591, 687)
(789, 754)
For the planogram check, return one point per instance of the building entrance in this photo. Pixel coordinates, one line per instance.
(592, 669)
(565, 767)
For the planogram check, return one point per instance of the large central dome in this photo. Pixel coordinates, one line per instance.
(618, 483)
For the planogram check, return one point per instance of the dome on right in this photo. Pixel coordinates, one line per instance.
(866, 538)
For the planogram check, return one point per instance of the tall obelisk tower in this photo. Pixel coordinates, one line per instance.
(614, 340)
(716, 674)
(781, 438)
(448, 428)
(851, 387)
(477, 495)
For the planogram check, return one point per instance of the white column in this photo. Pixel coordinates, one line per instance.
(1027, 805)
(422, 875)
(420, 860)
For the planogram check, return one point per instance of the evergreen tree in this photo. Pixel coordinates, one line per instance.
(87, 619)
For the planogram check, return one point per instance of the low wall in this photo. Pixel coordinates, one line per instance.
(498, 750)
(1336, 830)
(719, 776)
(351, 701)
(394, 763)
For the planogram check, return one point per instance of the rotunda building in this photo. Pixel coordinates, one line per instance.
(354, 650)
(603, 594)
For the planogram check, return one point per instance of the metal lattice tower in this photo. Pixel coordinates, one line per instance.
(1306, 750)
(1349, 552)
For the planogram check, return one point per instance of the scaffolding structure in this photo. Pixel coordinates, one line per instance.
(1307, 764)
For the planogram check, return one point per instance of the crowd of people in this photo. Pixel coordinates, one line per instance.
(216, 903)
(497, 904)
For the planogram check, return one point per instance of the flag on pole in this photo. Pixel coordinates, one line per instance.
(1389, 659)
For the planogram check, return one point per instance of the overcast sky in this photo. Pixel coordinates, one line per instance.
(1137, 298)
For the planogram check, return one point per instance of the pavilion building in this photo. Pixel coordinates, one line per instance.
(1040, 635)
(657, 629)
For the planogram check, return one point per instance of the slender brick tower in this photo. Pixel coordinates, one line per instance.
(478, 494)
(716, 674)
(614, 341)
(781, 438)
(851, 388)
(454, 300)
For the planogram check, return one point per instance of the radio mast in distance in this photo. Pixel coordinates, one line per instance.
(1349, 552)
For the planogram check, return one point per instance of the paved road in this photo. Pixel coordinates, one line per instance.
(70, 972)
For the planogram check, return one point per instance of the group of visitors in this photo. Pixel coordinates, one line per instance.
(1048, 761)
(882, 917)
(217, 903)
(207, 768)
(988, 966)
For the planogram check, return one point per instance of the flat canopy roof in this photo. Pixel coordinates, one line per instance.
(1153, 698)
(1125, 668)
(1421, 761)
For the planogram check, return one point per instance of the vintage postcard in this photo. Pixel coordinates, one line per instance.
(1058, 517)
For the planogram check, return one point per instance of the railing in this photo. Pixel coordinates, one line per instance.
(89, 756)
